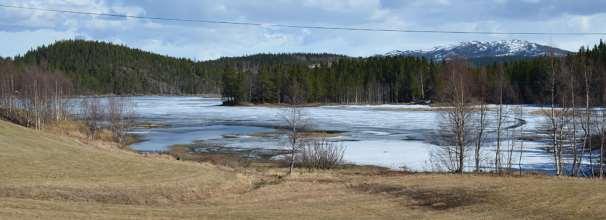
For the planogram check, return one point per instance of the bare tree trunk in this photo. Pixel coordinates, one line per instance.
(555, 143)
(480, 137)
(591, 166)
(510, 151)
(602, 142)
(422, 84)
(293, 145)
(37, 105)
(602, 157)
(461, 128)
(561, 138)
(521, 138)
(587, 114)
(586, 123)
(295, 120)
(575, 154)
(497, 159)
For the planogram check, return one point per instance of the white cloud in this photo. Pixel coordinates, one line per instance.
(344, 5)
(205, 41)
(23, 41)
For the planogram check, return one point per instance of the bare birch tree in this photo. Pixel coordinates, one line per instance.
(557, 117)
(456, 125)
(569, 120)
(296, 122)
(521, 137)
(7, 87)
(553, 119)
(481, 119)
(587, 114)
(500, 117)
(32, 96)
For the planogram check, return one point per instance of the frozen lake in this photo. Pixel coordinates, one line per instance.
(393, 136)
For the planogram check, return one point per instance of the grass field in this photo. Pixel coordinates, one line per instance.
(49, 176)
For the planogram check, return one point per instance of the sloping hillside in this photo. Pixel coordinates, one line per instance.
(43, 166)
(102, 67)
(43, 176)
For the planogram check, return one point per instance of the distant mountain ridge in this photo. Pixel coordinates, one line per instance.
(481, 50)
(106, 68)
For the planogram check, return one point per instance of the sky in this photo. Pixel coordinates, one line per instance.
(22, 30)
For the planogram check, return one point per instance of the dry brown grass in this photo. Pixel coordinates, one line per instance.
(50, 177)
(40, 165)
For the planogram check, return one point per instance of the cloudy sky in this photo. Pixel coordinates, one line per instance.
(21, 30)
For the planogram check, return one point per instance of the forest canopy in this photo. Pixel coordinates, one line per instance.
(96, 67)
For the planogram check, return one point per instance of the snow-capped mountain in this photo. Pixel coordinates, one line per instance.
(478, 49)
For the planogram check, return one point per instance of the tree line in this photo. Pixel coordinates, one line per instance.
(33, 96)
(376, 80)
(97, 67)
(571, 93)
(104, 68)
(347, 80)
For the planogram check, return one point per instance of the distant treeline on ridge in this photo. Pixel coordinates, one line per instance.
(95, 67)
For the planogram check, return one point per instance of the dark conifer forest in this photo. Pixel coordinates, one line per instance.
(95, 67)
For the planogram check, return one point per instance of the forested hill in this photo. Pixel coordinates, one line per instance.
(103, 68)
(100, 67)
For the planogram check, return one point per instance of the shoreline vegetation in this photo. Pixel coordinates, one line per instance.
(91, 178)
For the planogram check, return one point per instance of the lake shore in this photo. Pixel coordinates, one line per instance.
(86, 180)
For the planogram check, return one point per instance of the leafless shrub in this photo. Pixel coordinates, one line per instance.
(113, 113)
(120, 114)
(92, 114)
(321, 154)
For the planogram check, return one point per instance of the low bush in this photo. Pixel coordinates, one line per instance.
(321, 154)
